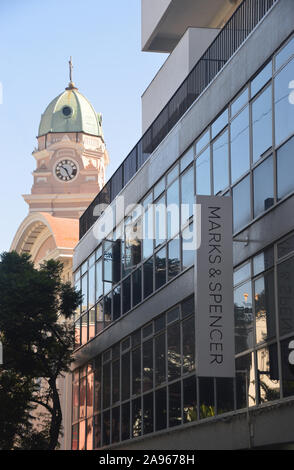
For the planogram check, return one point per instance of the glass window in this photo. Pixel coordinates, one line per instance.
(284, 109)
(136, 371)
(262, 124)
(160, 359)
(189, 400)
(243, 317)
(241, 203)
(126, 294)
(97, 432)
(224, 395)
(263, 182)
(172, 201)
(106, 427)
(107, 310)
(187, 195)
(82, 435)
(268, 383)
(137, 286)
(188, 246)
(160, 268)
(148, 277)
(175, 414)
(97, 385)
(220, 123)
(115, 381)
(106, 385)
(82, 413)
(286, 296)
(241, 274)
(125, 421)
(203, 173)
(174, 351)
(160, 409)
(239, 102)
(148, 235)
(263, 261)
(261, 79)
(172, 174)
(174, 261)
(159, 323)
(147, 365)
(173, 315)
(160, 221)
(136, 417)
(221, 163)
(206, 397)
(115, 424)
(125, 376)
(91, 286)
(202, 142)
(99, 317)
(116, 303)
(99, 283)
(159, 188)
(285, 54)
(84, 285)
(285, 168)
(75, 401)
(148, 413)
(188, 307)
(264, 301)
(240, 155)
(245, 381)
(188, 331)
(286, 247)
(287, 347)
(90, 394)
(84, 328)
(186, 159)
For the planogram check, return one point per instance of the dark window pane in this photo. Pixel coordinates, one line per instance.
(240, 145)
(262, 123)
(97, 433)
(263, 181)
(106, 385)
(148, 413)
(160, 359)
(148, 277)
(174, 261)
(75, 437)
(268, 383)
(160, 268)
(90, 394)
(137, 286)
(221, 163)
(286, 247)
(284, 109)
(264, 300)
(203, 173)
(245, 381)
(99, 317)
(106, 427)
(187, 195)
(188, 307)
(115, 424)
(241, 204)
(287, 348)
(174, 351)
(175, 413)
(136, 369)
(285, 168)
(286, 296)
(147, 330)
(206, 397)
(126, 295)
(125, 374)
(82, 413)
(263, 261)
(188, 331)
(172, 201)
(115, 381)
(224, 395)
(136, 417)
(107, 309)
(189, 400)
(159, 323)
(136, 338)
(97, 381)
(125, 421)
(243, 317)
(116, 303)
(147, 365)
(75, 401)
(89, 437)
(160, 409)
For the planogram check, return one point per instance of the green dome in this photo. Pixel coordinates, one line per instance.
(70, 112)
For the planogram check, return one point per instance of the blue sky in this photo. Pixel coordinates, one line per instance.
(36, 40)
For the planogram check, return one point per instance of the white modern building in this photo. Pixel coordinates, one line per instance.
(217, 119)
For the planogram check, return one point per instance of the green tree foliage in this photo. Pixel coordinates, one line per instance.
(36, 308)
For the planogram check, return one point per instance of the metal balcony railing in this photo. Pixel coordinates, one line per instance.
(229, 39)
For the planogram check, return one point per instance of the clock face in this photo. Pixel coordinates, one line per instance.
(66, 170)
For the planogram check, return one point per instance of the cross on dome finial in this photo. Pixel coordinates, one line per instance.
(71, 84)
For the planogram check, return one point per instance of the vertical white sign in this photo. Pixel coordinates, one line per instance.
(215, 345)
